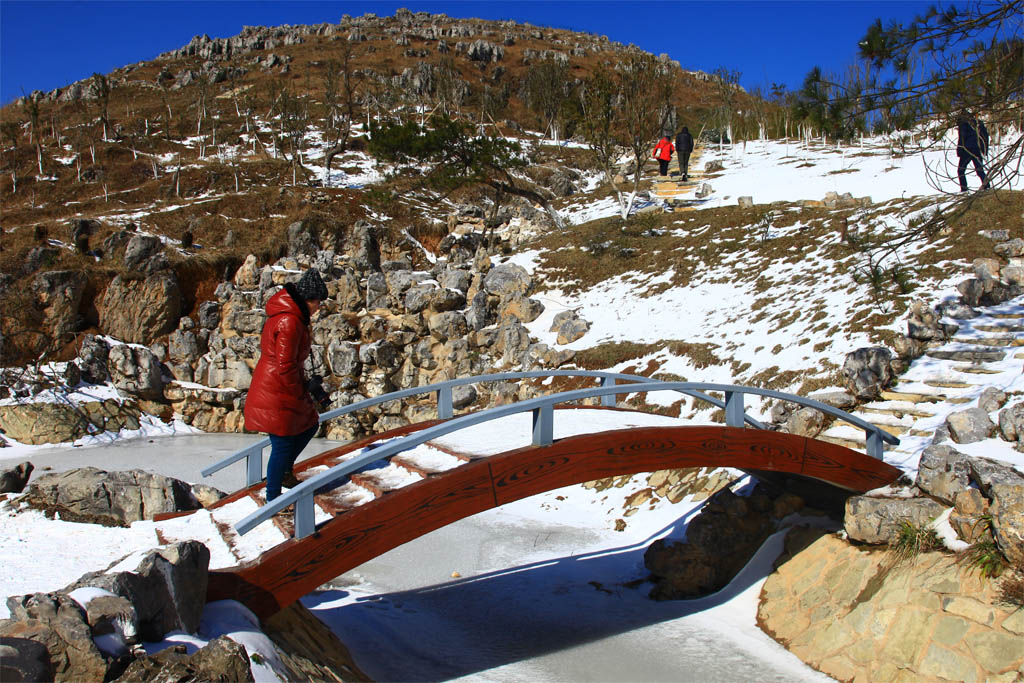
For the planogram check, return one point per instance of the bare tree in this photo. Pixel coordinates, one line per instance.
(11, 131)
(547, 88)
(960, 58)
(101, 89)
(30, 104)
(625, 110)
(341, 105)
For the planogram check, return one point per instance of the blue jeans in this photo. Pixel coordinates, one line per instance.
(283, 452)
(961, 171)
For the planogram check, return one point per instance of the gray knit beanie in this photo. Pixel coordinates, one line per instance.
(311, 286)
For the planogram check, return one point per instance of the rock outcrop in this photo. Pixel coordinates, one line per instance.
(94, 496)
(848, 613)
(719, 542)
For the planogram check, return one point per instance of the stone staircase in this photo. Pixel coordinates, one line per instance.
(673, 189)
(987, 351)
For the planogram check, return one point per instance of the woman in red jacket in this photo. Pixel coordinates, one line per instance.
(663, 153)
(279, 402)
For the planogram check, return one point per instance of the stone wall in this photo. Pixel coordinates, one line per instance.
(844, 610)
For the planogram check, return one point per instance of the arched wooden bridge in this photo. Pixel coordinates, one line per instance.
(353, 534)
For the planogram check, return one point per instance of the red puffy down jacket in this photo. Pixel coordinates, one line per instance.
(278, 402)
(664, 149)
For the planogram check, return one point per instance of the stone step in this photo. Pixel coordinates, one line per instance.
(879, 419)
(1019, 355)
(943, 383)
(977, 370)
(999, 328)
(1007, 316)
(969, 355)
(912, 398)
(993, 341)
(859, 444)
(849, 443)
(897, 412)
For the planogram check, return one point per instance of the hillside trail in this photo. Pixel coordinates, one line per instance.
(681, 195)
(986, 351)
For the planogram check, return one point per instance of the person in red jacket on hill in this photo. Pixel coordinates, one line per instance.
(663, 153)
(279, 402)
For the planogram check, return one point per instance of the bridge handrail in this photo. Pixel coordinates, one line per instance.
(253, 452)
(543, 427)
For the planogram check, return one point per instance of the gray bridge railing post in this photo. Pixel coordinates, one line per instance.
(734, 408)
(254, 464)
(445, 409)
(874, 446)
(544, 425)
(608, 400)
(305, 517)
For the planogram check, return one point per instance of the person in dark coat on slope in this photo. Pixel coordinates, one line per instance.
(971, 147)
(663, 153)
(279, 402)
(684, 147)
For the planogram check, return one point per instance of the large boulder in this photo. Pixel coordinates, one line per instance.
(868, 371)
(508, 280)
(136, 370)
(805, 422)
(82, 632)
(1004, 486)
(877, 520)
(343, 359)
(115, 499)
(167, 588)
(571, 330)
(364, 247)
(139, 311)
(302, 240)
(923, 324)
(13, 478)
(943, 472)
(1011, 422)
(22, 659)
(57, 623)
(970, 426)
(59, 294)
(92, 359)
(447, 325)
(248, 274)
(39, 423)
(228, 370)
(222, 659)
(144, 253)
(511, 342)
(521, 308)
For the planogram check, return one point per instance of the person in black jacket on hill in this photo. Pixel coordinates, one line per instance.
(971, 147)
(684, 145)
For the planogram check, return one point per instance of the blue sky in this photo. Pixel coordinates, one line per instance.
(44, 45)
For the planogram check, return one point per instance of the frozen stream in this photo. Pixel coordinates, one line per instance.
(540, 590)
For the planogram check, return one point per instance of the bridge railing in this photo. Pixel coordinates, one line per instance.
(543, 412)
(253, 454)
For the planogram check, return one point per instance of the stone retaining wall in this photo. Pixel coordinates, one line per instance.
(836, 607)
